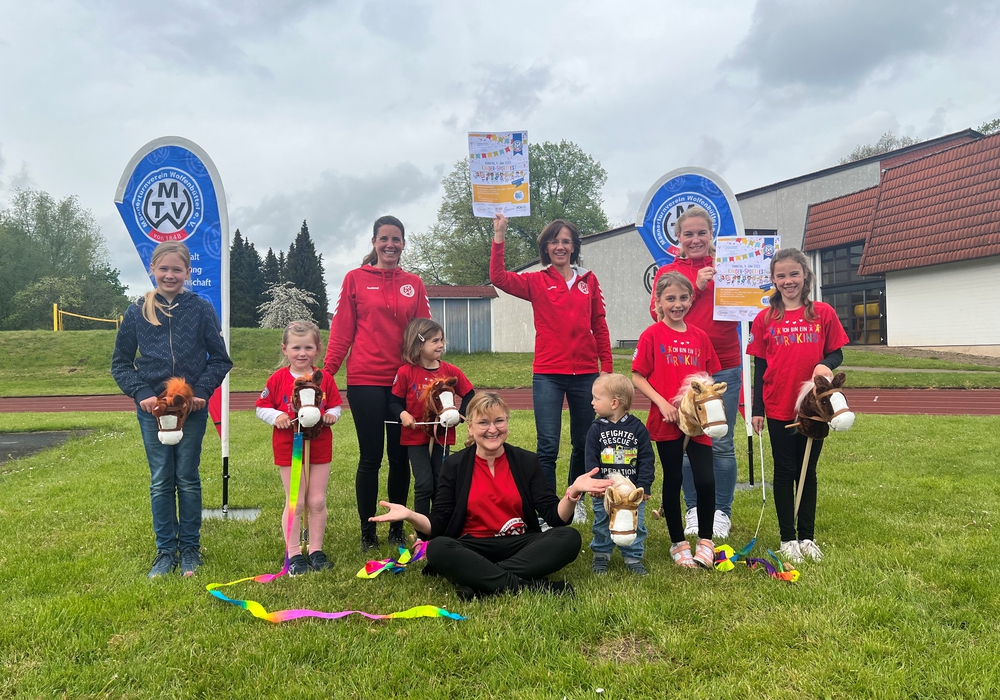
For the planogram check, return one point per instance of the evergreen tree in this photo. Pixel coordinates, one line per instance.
(246, 283)
(282, 272)
(271, 270)
(304, 269)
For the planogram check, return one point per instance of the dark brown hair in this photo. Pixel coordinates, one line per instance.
(553, 230)
(372, 257)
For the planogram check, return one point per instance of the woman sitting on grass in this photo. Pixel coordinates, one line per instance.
(483, 527)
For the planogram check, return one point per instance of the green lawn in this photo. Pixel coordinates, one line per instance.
(904, 605)
(43, 363)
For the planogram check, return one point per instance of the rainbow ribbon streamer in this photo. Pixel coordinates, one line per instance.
(258, 610)
(396, 566)
(726, 559)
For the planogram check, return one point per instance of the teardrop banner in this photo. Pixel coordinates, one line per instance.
(672, 195)
(172, 191)
(668, 198)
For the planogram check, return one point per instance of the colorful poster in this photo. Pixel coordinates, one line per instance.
(676, 192)
(498, 170)
(743, 276)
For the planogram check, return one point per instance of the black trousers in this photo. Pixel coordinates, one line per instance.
(426, 466)
(788, 447)
(498, 564)
(671, 459)
(370, 408)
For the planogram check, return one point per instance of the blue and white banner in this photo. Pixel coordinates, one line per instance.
(676, 192)
(171, 191)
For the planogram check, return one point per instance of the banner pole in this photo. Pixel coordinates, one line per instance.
(747, 395)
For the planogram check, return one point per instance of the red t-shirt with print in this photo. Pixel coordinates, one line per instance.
(409, 384)
(665, 357)
(792, 347)
(495, 508)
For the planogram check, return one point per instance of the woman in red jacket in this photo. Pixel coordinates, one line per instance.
(697, 262)
(572, 343)
(377, 301)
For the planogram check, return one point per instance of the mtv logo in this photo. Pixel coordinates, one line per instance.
(167, 205)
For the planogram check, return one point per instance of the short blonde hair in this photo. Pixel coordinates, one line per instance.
(482, 404)
(619, 388)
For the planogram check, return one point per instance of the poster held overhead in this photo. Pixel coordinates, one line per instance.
(498, 173)
(668, 198)
(172, 191)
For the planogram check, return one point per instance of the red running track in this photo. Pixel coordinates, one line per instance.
(939, 402)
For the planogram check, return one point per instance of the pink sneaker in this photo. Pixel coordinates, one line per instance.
(704, 553)
(681, 554)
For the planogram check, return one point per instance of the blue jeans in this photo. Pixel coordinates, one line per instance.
(547, 392)
(174, 483)
(723, 452)
(602, 543)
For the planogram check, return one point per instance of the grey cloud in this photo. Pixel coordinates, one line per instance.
(402, 21)
(710, 154)
(512, 92)
(339, 209)
(201, 36)
(835, 46)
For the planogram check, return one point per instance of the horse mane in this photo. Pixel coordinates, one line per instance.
(177, 386)
(703, 377)
(804, 391)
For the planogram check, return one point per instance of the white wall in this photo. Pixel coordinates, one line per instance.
(955, 304)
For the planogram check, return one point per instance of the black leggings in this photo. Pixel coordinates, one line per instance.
(788, 447)
(426, 468)
(369, 406)
(498, 564)
(671, 458)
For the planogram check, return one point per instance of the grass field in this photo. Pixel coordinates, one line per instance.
(903, 606)
(43, 363)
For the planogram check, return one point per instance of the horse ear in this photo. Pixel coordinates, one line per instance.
(317, 376)
(839, 380)
(720, 388)
(636, 496)
(821, 382)
(696, 386)
(611, 495)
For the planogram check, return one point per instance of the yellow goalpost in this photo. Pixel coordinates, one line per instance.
(57, 318)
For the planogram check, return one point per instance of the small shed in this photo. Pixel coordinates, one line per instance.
(466, 313)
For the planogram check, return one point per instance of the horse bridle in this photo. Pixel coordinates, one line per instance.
(702, 402)
(819, 398)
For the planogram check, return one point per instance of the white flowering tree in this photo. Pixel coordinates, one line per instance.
(287, 303)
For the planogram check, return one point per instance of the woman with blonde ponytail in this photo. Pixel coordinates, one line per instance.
(176, 334)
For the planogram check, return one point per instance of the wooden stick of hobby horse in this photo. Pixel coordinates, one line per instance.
(802, 477)
(305, 499)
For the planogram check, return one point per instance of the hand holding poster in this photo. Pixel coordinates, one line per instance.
(742, 276)
(498, 170)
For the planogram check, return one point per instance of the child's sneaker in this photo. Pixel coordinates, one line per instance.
(397, 537)
(691, 522)
(369, 541)
(810, 549)
(190, 561)
(791, 551)
(318, 561)
(681, 554)
(163, 564)
(580, 512)
(705, 553)
(636, 567)
(298, 565)
(600, 565)
(721, 525)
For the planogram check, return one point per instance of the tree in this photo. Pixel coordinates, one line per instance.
(281, 267)
(286, 304)
(246, 283)
(989, 128)
(304, 269)
(565, 183)
(270, 270)
(887, 142)
(41, 238)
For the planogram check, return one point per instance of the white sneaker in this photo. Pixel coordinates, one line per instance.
(691, 522)
(580, 512)
(721, 525)
(790, 550)
(810, 549)
(544, 525)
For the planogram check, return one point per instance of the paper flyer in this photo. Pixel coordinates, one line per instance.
(743, 276)
(498, 169)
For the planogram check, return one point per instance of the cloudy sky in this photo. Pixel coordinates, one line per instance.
(338, 112)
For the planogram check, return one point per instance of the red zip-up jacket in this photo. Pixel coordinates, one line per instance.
(371, 314)
(723, 334)
(571, 334)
